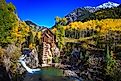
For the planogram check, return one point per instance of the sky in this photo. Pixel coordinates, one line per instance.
(43, 12)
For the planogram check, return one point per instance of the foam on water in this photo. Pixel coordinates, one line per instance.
(29, 70)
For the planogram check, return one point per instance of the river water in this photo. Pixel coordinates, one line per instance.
(44, 74)
(49, 74)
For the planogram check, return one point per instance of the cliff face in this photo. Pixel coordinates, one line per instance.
(10, 68)
(32, 61)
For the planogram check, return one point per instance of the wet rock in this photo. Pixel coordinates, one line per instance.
(70, 73)
(32, 60)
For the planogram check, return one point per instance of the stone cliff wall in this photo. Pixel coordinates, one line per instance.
(10, 67)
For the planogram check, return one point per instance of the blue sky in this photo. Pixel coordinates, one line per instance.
(43, 12)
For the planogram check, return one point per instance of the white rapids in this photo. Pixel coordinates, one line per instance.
(29, 70)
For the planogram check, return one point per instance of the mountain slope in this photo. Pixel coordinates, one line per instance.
(81, 13)
(106, 10)
(34, 26)
(108, 5)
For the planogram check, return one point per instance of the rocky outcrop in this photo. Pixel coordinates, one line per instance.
(32, 60)
(11, 68)
(70, 73)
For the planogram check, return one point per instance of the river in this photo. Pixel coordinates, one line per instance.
(49, 74)
(45, 74)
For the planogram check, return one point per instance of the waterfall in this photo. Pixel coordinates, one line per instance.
(29, 70)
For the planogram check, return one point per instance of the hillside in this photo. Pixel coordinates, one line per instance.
(96, 33)
(34, 25)
(106, 10)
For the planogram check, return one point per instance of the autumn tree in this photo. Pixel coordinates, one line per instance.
(7, 21)
(60, 33)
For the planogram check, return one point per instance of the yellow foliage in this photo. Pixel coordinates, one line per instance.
(39, 35)
(19, 31)
(31, 45)
(101, 26)
(54, 30)
(34, 33)
(2, 51)
(27, 29)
